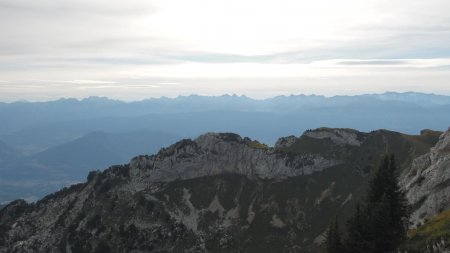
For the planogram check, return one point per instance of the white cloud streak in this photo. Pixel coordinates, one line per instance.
(86, 82)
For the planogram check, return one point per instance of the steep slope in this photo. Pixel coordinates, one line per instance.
(217, 193)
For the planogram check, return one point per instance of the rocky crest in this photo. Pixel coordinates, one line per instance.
(217, 193)
(285, 142)
(337, 136)
(223, 153)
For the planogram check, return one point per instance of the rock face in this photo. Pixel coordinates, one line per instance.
(214, 154)
(427, 183)
(217, 193)
(285, 142)
(337, 136)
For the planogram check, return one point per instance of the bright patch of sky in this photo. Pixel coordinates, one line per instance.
(261, 48)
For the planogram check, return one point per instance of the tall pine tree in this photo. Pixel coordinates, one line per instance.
(379, 224)
(358, 240)
(333, 243)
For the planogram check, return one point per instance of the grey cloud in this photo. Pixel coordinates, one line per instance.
(203, 57)
(100, 39)
(373, 62)
(64, 7)
(110, 41)
(423, 28)
(73, 41)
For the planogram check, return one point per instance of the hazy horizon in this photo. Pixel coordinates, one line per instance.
(220, 95)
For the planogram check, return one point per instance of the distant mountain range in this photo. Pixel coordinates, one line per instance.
(36, 126)
(46, 145)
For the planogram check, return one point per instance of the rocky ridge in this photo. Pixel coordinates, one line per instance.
(223, 153)
(338, 136)
(217, 193)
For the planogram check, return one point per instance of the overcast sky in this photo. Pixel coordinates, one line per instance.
(136, 49)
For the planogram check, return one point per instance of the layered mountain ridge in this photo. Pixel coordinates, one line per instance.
(53, 140)
(224, 193)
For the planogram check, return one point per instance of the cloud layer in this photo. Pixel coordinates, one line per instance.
(139, 48)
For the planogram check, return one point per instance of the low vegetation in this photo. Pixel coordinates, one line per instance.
(257, 145)
(435, 232)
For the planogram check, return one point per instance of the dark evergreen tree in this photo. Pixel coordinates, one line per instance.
(357, 239)
(399, 205)
(379, 224)
(334, 243)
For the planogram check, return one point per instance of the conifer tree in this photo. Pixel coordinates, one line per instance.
(333, 243)
(357, 240)
(379, 224)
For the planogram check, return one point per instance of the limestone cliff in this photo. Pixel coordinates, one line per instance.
(427, 182)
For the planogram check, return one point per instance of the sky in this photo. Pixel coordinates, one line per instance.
(136, 49)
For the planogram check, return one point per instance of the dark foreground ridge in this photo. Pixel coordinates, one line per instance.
(224, 193)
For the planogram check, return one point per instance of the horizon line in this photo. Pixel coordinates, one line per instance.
(218, 96)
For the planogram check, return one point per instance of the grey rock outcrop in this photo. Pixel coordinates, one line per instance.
(338, 136)
(284, 142)
(223, 153)
(427, 183)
